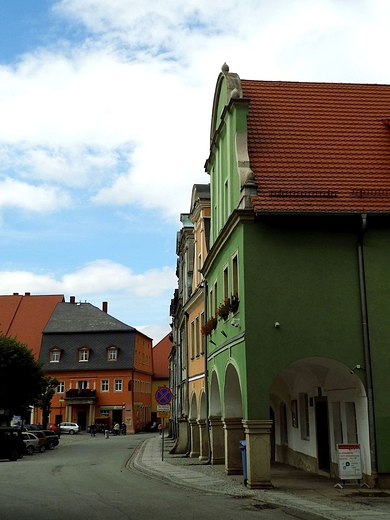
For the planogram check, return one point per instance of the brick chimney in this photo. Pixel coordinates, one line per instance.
(105, 306)
(72, 299)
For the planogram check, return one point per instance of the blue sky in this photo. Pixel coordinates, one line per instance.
(105, 112)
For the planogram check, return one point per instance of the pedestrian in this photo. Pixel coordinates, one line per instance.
(116, 428)
(160, 427)
(123, 428)
(92, 430)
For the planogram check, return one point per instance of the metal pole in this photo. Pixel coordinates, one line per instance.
(162, 440)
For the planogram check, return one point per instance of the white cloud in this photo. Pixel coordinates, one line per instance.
(104, 280)
(100, 276)
(41, 199)
(126, 114)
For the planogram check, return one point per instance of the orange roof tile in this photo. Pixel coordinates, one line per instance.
(319, 147)
(25, 317)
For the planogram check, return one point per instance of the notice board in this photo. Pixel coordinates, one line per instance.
(350, 465)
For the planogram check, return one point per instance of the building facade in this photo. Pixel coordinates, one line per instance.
(296, 276)
(104, 367)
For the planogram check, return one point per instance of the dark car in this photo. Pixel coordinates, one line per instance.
(52, 439)
(32, 427)
(42, 439)
(12, 446)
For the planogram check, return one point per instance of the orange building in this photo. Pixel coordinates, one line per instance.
(104, 368)
(161, 369)
(25, 316)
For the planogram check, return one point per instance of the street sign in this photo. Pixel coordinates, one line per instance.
(163, 395)
(164, 414)
(163, 407)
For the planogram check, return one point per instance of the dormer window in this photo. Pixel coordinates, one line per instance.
(112, 354)
(55, 355)
(83, 354)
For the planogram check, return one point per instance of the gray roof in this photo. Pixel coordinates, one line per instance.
(73, 326)
(82, 317)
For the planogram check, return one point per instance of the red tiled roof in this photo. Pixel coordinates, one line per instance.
(160, 358)
(25, 317)
(319, 147)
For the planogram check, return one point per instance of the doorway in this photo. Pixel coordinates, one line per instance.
(322, 431)
(82, 419)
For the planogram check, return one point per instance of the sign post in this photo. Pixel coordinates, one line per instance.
(163, 397)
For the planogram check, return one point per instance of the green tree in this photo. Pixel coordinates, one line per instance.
(21, 377)
(49, 384)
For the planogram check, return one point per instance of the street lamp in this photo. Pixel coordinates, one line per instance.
(61, 400)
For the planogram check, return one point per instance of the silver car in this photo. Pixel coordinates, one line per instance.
(69, 427)
(31, 441)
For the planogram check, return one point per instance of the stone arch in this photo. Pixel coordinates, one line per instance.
(217, 440)
(232, 420)
(232, 392)
(325, 405)
(215, 396)
(194, 427)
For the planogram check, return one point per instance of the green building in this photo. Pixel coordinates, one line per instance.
(298, 277)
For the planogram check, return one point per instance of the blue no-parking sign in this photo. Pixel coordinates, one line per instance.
(163, 395)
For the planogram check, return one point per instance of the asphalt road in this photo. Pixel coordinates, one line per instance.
(89, 478)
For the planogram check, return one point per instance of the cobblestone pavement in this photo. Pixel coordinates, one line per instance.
(293, 488)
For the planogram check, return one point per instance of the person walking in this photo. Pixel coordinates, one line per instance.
(92, 430)
(116, 428)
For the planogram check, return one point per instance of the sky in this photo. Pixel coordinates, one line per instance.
(105, 111)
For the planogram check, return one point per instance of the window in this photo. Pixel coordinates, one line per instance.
(118, 385)
(225, 283)
(304, 416)
(61, 387)
(192, 340)
(197, 337)
(235, 275)
(283, 425)
(201, 324)
(337, 424)
(55, 355)
(82, 385)
(350, 412)
(83, 354)
(104, 385)
(112, 354)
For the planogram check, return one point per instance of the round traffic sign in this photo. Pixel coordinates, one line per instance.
(163, 395)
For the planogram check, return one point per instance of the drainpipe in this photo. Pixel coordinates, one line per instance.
(367, 350)
(206, 375)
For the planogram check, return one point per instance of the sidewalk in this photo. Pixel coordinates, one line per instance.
(294, 489)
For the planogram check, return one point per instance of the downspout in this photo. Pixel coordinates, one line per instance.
(367, 350)
(206, 376)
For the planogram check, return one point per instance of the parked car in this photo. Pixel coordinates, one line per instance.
(69, 427)
(30, 427)
(12, 446)
(42, 440)
(52, 439)
(51, 426)
(31, 442)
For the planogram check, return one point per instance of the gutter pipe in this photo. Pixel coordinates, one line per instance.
(367, 349)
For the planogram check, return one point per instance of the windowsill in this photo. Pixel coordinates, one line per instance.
(83, 360)
(54, 361)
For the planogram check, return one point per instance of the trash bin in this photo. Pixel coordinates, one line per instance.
(106, 434)
(243, 455)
